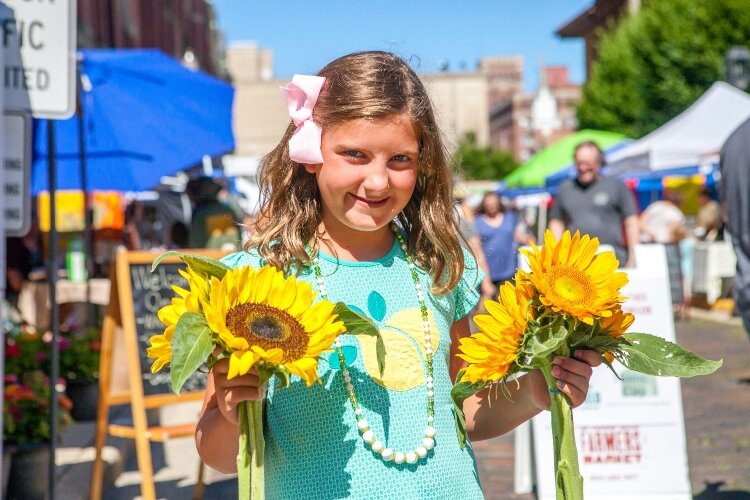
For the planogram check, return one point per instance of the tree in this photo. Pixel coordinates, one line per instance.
(476, 162)
(659, 61)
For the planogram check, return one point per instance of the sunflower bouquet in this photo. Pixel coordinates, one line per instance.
(260, 320)
(570, 299)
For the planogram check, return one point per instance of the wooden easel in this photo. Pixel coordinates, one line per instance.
(121, 375)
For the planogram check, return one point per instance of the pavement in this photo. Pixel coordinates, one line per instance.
(716, 409)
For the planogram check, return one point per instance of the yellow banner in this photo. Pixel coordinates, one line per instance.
(106, 205)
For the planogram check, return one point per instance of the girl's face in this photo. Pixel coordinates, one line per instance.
(368, 173)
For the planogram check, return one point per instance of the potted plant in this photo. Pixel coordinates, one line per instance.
(26, 430)
(27, 393)
(79, 365)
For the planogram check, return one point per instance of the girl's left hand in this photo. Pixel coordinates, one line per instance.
(572, 374)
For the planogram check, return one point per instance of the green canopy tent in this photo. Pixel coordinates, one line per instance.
(556, 157)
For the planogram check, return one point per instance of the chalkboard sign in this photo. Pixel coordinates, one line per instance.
(125, 378)
(151, 292)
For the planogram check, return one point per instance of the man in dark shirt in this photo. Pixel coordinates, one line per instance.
(735, 193)
(213, 223)
(597, 206)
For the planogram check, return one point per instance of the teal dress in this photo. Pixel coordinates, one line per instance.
(313, 447)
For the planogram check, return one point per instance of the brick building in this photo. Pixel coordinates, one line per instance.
(595, 20)
(184, 29)
(504, 76)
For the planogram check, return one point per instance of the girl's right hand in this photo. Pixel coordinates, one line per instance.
(230, 393)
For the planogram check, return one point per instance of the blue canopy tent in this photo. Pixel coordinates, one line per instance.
(650, 185)
(144, 116)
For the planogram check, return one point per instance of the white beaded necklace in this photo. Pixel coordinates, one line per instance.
(379, 448)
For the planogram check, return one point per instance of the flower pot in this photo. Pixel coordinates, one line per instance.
(29, 472)
(84, 394)
(7, 460)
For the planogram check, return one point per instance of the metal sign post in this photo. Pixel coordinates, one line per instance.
(2, 275)
(39, 58)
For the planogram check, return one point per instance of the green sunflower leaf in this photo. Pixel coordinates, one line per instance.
(543, 340)
(653, 355)
(460, 392)
(199, 263)
(191, 347)
(206, 265)
(357, 324)
(163, 256)
(283, 375)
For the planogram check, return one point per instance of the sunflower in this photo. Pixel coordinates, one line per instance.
(617, 324)
(572, 278)
(493, 350)
(261, 316)
(186, 301)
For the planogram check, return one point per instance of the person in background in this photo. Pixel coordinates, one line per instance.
(465, 219)
(23, 254)
(17, 267)
(230, 199)
(663, 222)
(213, 224)
(708, 224)
(735, 194)
(596, 205)
(498, 231)
(525, 229)
(179, 236)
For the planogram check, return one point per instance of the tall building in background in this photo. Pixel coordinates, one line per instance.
(594, 21)
(184, 29)
(527, 121)
(260, 116)
(249, 63)
(504, 76)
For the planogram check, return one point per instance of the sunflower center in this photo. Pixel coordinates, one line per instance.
(571, 284)
(268, 328)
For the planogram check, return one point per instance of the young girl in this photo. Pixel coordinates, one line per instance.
(365, 214)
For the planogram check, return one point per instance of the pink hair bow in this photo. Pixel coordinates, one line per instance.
(300, 95)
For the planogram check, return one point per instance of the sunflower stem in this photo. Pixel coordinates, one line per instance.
(568, 480)
(243, 454)
(251, 456)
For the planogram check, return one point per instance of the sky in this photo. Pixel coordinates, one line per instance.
(305, 35)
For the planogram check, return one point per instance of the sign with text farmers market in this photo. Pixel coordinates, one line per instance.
(39, 45)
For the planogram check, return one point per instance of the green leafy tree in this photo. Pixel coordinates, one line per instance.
(479, 163)
(659, 61)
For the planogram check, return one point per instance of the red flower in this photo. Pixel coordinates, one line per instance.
(12, 350)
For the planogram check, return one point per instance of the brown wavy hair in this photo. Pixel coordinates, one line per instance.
(363, 85)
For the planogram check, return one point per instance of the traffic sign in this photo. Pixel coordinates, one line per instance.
(39, 45)
(16, 156)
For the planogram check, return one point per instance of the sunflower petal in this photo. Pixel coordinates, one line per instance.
(240, 363)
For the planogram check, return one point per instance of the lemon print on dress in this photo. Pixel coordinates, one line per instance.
(405, 353)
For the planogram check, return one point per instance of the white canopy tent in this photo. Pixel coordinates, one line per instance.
(691, 139)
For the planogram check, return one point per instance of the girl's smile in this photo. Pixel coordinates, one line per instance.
(370, 203)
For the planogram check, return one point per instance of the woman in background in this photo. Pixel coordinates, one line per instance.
(498, 231)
